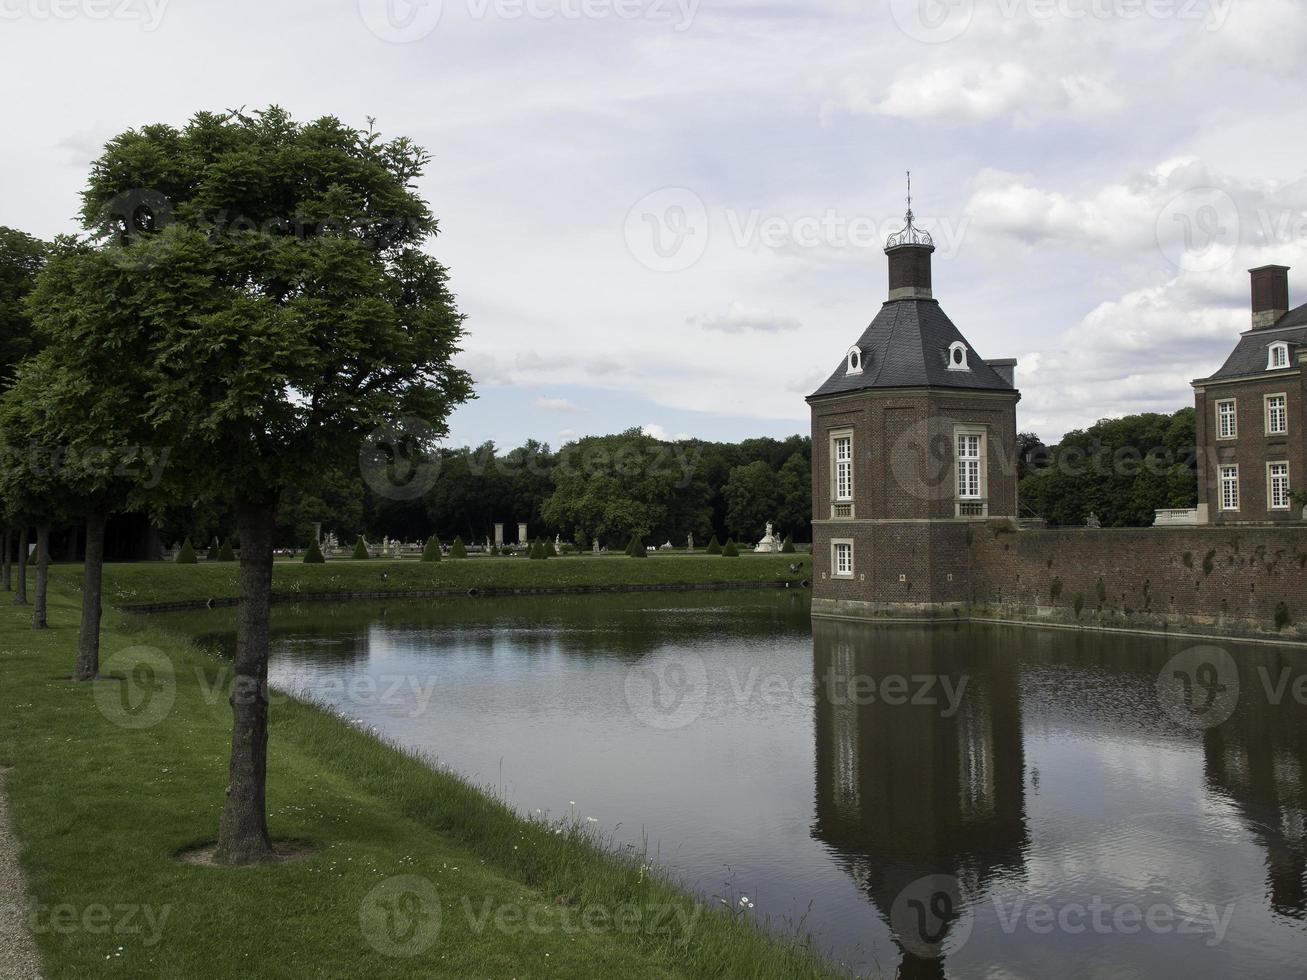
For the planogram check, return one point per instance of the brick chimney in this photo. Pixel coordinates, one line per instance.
(909, 258)
(1270, 294)
(909, 271)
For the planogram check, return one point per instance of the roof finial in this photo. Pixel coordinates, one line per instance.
(910, 234)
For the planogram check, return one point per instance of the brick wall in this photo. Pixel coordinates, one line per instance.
(1224, 581)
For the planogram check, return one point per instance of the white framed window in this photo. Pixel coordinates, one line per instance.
(957, 357)
(854, 360)
(841, 476)
(1227, 419)
(841, 558)
(969, 465)
(1277, 356)
(1277, 485)
(1277, 414)
(1229, 487)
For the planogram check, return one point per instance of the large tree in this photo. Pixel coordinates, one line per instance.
(282, 308)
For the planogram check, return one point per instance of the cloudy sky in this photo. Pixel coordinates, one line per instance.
(670, 213)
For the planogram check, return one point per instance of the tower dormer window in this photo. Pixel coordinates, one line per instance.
(957, 357)
(1278, 356)
(854, 361)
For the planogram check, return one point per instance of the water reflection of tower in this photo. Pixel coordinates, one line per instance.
(1254, 758)
(917, 789)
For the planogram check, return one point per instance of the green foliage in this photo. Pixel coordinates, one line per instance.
(550, 550)
(214, 551)
(753, 496)
(314, 555)
(537, 552)
(714, 546)
(360, 549)
(431, 551)
(226, 553)
(185, 554)
(635, 547)
(458, 549)
(1121, 469)
(730, 549)
(788, 547)
(21, 260)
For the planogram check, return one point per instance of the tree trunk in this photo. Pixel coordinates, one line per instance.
(243, 826)
(42, 576)
(88, 642)
(20, 591)
(6, 566)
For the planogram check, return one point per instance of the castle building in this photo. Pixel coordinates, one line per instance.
(913, 443)
(1250, 414)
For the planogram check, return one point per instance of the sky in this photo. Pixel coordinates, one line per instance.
(671, 213)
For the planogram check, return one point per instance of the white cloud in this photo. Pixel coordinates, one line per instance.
(740, 319)
(548, 404)
(656, 431)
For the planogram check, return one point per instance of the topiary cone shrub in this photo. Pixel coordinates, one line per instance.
(186, 553)
(714, 546)
(314, 555)
(431, 552)
(226, 553)
(360, 549)
(729, 550)
(636, 547)
(537, 552)
(788, 547)
(458, 549)
(550, 550)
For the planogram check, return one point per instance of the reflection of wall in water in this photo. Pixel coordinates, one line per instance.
(908, 790)
(1255, 758)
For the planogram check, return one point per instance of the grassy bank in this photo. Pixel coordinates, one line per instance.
(103, 807)
(154, 582)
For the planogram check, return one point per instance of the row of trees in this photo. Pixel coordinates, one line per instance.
(1121, 470)
(250, 297)
(610, 487)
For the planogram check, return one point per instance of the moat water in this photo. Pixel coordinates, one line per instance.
(962, 801)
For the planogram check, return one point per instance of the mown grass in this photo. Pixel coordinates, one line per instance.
(155, 582)
(102, 810)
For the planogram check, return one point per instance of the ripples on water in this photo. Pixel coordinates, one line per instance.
(1055, 821)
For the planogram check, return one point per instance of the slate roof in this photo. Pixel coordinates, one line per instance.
(1250, 356)
(906, 346)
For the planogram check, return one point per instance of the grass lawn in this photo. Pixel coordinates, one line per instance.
(102, 808)
(149, 582)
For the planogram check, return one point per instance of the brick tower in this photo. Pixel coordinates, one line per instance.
(913, 444)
